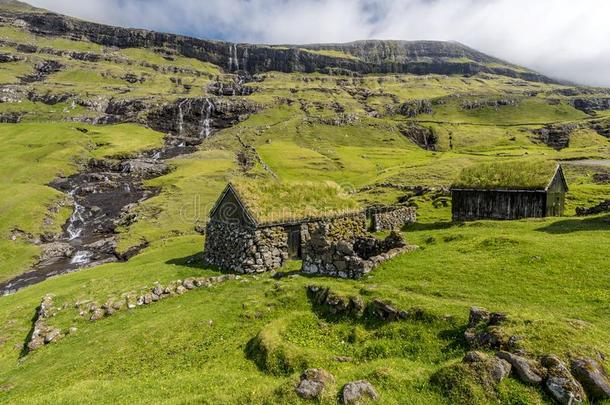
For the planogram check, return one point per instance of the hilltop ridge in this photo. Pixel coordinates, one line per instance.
(360, 57)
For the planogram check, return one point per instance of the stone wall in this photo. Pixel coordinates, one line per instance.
(337, 229)
(349, 258)
(245, 250)
(391, 219)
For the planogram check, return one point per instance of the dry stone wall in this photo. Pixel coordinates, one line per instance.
(243, 249)
(351, 259)
(391, 219)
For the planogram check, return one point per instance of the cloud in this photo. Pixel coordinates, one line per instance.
(561, 38)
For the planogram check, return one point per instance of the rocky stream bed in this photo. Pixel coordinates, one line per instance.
(105, 193)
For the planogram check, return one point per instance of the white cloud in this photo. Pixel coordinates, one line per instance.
(561, 38)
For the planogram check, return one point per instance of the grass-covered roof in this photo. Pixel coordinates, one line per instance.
(508, 175)
(282, 202)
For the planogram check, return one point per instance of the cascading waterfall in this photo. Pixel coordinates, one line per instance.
(77, 220)
(206, 118)
(181, 116)
(233, 59)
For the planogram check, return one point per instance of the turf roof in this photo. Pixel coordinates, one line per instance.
(283, 202)
(509, 175)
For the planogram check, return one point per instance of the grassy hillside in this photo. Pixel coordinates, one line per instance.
(247, 341)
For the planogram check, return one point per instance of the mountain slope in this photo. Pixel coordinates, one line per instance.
(364, 57)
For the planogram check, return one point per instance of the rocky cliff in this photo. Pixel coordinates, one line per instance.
(362, 57)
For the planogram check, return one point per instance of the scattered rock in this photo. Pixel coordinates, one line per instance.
(559, 382)
(477, 315)
(593, 378)
(354, 391)
(529, 371)
(385, 312)
(313, 382)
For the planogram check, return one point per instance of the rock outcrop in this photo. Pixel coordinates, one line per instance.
(557, 136)
(362, 57)
(423, 137)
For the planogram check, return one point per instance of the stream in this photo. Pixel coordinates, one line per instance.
(104, 195)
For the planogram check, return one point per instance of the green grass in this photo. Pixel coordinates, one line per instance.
(276, 201)
(511, 175)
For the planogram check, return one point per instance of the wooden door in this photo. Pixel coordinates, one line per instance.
(294, 242)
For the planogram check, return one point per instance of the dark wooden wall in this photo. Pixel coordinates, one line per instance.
(469, 205)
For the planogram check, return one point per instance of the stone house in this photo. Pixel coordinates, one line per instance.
(509, 190)
(256, 227)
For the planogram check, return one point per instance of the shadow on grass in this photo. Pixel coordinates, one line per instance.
(429, 226)
(25, 350)
(578, 225)
(196, 262)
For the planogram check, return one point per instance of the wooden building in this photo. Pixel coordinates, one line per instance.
(509, 190)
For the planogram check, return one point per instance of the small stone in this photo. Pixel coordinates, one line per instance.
(52, 335)
(180, 290)
(72, 330)
(354, 391)
(148, 299)
(97, 315)
(36, 343)
(313, 382)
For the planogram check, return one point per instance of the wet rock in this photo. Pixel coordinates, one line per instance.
(593, 378)
(313, 382)
(559, 382)
(147, 168)
(55, 250)
(529, 371)
(355, 391)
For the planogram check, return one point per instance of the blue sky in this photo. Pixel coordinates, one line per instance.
(562, 38)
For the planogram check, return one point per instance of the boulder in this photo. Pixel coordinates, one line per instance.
(593, 377)
(354, 391)
(496, 369)
(313, 382)
(529, 371)
(477, 315)
(559, 382)
(385, 311)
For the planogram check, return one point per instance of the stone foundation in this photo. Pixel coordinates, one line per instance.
(390, 219)
(244, 249)
(247, 250)
(349, 258)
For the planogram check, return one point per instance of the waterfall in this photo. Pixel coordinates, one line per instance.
(76, 222)
(206, 118)
(181, 116)
(233, 59)
(157, 156)
(81, 257)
